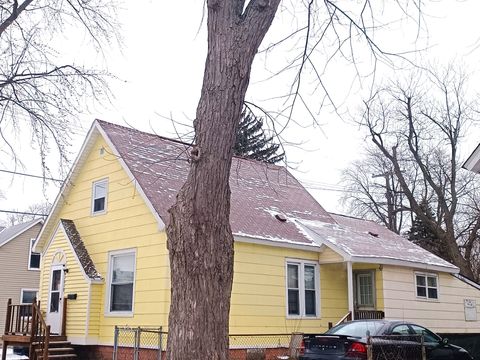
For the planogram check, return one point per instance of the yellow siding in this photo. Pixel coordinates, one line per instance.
(443, 315)
(258, 303)
(333, 286)
(127, 224)
(330, 256)
(74, 283)
(259, 291)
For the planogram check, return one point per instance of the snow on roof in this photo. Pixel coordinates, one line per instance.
(259, 190)
(357, 238)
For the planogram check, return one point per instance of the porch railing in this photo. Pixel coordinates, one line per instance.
(26, 320)
(369, 314)
(360, 315)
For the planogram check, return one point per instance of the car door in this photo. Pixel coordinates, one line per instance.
(434, 346)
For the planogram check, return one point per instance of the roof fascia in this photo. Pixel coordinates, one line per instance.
(404, 263)
(319, 241)
(60, 226)
(90, 139)
(18, 233)
(267, 242)
(138, 187)
(473, 159)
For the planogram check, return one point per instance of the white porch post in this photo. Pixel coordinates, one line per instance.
(350, 288)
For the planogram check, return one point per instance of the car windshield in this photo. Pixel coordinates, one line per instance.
(356, 328)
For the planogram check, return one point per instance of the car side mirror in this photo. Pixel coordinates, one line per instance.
(445, 341)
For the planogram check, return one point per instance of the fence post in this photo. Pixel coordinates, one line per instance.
(369, 348)
(115, 343)
(424, 354)
(160, 343)
(136, 346)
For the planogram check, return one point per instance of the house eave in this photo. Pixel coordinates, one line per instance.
(276, 243)
(473, 161)
(404, 263)
(18, 233)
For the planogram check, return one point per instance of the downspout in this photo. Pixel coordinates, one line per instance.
(350, 289)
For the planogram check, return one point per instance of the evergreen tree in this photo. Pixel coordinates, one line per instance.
(423, 236)
(252, 143)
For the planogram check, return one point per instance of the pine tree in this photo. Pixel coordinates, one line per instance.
(423, 236)
(252, 143)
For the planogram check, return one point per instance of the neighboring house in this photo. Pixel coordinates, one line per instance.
(19, 266)
(297, 267)
(473, 161)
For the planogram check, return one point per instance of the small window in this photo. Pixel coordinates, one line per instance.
(122, 276)
(99, 196)
(34, 258)
(28, 296)
(427, 286)
(302, 289)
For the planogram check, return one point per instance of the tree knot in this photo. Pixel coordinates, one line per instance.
(195, 154)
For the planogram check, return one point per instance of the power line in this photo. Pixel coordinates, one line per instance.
(30, 175)
(22, 213)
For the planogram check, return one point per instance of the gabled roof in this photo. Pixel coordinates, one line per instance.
(366, 241)
(158, 168)
(80, 250)
(10, 233)
(259, 190)
(268, 204)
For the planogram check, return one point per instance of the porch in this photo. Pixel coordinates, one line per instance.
(25, 326)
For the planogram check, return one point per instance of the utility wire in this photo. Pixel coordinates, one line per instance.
(30, 175)
(22, 213)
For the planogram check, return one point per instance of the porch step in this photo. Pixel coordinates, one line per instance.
(57, 350)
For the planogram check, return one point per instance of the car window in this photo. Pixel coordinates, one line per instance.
(401, 330)
(357, 328)
(428, 336)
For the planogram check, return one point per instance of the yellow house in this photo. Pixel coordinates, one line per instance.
(297, 267)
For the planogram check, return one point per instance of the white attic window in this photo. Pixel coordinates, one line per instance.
(99, 197)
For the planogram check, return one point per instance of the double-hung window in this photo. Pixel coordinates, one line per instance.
(33, 258)
(426, 286)
(99, 196)
(121, 281)
(302, 289)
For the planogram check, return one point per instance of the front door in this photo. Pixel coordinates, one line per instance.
(364, 282)
(55, 296)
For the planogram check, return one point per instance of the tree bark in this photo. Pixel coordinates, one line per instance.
(200, 240)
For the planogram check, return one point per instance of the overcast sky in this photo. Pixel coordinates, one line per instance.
(160, 70)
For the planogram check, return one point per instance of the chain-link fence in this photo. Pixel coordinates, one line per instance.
(141, 343)
(260, 347)
(138, 343)
(396, 347)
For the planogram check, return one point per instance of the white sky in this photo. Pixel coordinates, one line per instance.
(161, 67)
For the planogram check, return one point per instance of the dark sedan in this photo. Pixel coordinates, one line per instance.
(348, 341)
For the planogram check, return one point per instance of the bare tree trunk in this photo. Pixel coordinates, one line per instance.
(200, 240)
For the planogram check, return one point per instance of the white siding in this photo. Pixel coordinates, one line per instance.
(445, 315)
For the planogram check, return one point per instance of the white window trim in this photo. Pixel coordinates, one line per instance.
(302, 289)
(21, 294)
(426, 298)
(111, 254)
(373, 274)
(30, 256)
(104, 211)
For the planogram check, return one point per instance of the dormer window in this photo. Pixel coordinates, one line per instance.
(99, 197)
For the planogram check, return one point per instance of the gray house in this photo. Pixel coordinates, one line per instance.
(19, 266)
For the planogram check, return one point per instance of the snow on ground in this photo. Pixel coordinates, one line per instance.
(12, 356)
